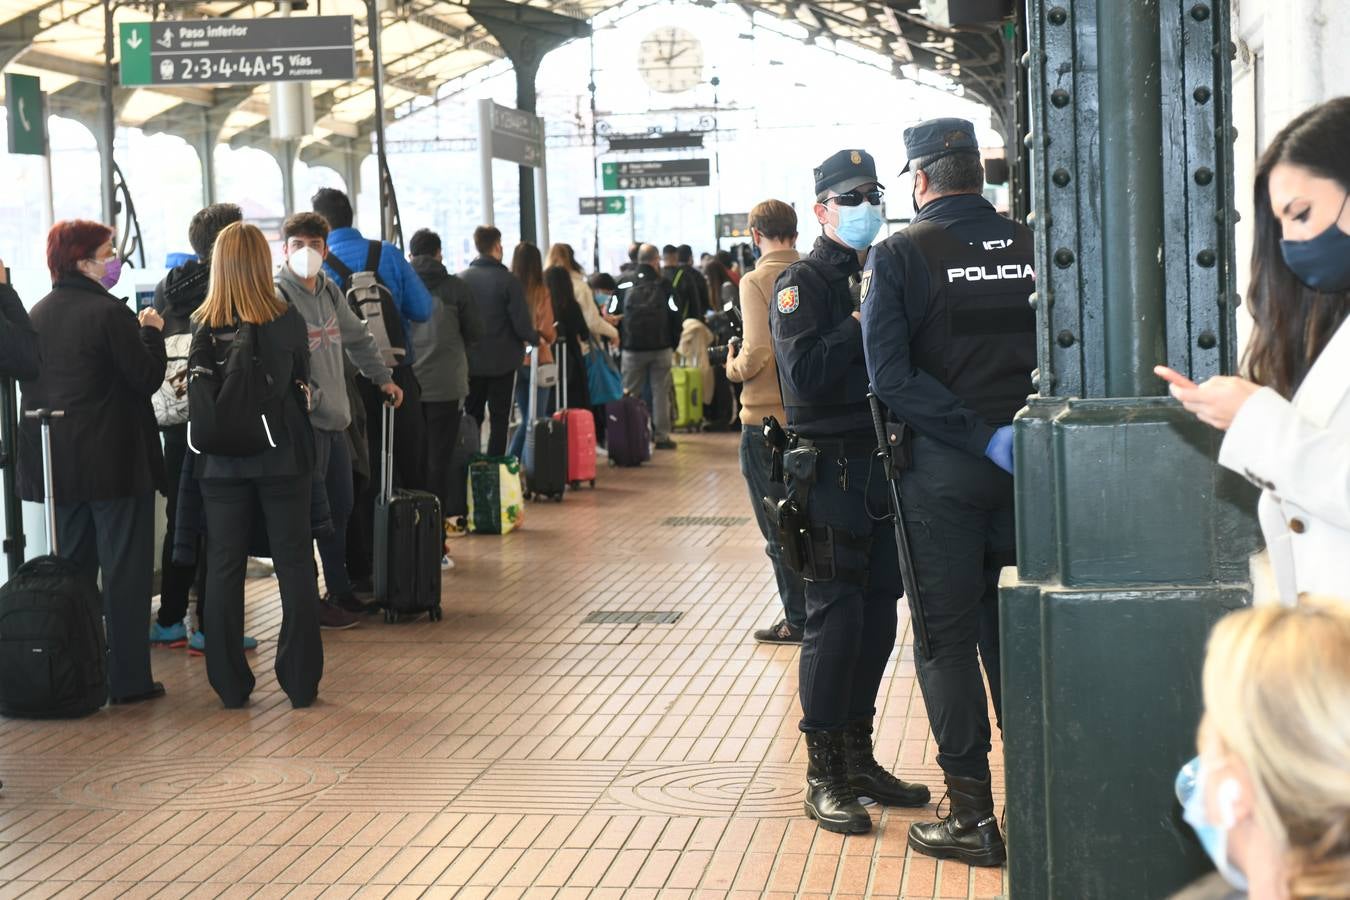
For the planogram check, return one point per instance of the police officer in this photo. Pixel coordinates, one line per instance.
(845, 550)
(950, 343)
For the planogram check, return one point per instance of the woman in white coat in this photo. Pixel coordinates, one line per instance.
(563, 255)
(1288, 422)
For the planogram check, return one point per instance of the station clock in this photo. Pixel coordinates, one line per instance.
(670, 60)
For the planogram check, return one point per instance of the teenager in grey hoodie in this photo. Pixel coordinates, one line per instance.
(334, 328)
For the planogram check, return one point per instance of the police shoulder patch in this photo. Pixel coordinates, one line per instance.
(789, 298)
(866, 283)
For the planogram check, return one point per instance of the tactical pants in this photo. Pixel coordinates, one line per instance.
(850, 625)
(959, 510)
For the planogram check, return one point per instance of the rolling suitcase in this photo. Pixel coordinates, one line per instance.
(688, 406)
(545, 460)
(580, 427)
(409, 540)
(628, 432)
(53, 651)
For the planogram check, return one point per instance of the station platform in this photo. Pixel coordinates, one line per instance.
(511, 750)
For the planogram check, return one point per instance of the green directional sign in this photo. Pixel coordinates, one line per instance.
(27, 119)
(603, 206)
(655, 173)
(237, 51)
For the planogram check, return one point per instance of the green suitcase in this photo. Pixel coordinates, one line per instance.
(688, 408)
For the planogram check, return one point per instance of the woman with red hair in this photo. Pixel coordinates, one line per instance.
(100, 366)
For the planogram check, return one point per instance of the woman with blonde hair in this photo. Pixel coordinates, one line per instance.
(1269, 795)
(242, 300)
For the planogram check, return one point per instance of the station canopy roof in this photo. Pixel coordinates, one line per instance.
(426, 44)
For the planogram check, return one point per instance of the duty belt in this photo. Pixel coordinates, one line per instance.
(848, 447)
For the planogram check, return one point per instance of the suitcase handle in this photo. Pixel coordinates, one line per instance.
(386, 451)
(45, 416)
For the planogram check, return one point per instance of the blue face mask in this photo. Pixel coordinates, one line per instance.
(1192, 790)
(1323, 262)
(858, 225)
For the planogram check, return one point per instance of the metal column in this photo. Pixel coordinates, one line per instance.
(109, 120)
(485, 159)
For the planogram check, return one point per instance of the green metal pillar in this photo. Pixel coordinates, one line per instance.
(1131, 540)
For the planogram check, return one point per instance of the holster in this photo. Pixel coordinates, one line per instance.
(809, 550)
(900, 438)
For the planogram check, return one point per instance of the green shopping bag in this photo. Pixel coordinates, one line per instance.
(496, 499)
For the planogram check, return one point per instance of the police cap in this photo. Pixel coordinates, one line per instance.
(938, 137)
(844, 171)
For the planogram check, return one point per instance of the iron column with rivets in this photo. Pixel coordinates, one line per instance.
(1131, 540)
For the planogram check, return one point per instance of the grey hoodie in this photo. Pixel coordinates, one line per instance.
(333, 327)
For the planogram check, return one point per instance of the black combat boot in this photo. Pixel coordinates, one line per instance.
(829, 798)
(970, 832)
(868, 778)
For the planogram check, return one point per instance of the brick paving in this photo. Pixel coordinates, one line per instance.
(510, 750)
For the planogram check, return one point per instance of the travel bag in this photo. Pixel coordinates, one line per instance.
(628, 432)
(545, 445)
(688, 406)
(409, 540)
(496, 500)
(53, 651)
(579, 425)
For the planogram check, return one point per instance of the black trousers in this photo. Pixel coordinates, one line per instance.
(493, 392)
(229, 506)
(959, 510)
(442, 432)
(116, 539)
(176, 580)
(850, 625)
(410, 463)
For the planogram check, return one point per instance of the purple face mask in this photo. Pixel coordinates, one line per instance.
(112, 271)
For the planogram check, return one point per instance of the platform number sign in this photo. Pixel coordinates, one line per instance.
(237, 51)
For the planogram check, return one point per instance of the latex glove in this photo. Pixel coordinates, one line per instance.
(1000, 449)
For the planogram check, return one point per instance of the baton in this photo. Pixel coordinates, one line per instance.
(907, 576)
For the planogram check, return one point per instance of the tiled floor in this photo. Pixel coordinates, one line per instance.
(508, 751)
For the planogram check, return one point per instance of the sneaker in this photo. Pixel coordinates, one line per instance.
(781, 633)
(335, 618)
(196, 646)
(447, 563)
(666, 444)
(174, 635)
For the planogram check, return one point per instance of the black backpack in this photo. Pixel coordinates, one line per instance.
(646, 316)
(234, 409)
(372, 300)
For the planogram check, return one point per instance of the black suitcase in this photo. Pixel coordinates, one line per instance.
(409, 541)
(53, 652)
(545, 460)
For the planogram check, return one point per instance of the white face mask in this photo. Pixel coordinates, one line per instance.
(305, 262)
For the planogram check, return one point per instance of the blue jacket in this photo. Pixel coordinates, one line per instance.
(412, 297)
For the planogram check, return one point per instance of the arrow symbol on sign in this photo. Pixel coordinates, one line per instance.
(23, 116)
(134, 42)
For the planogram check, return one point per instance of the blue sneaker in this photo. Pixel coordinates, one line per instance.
(174, 635)
(197, 645)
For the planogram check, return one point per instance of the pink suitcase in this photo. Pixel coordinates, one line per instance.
(580, 428)
(580, 445)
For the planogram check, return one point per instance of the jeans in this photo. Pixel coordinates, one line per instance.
(442, 435)
(116, 538)
(492, 392)
(756, 467)
(542, 408)
(642, 368)
(176, 580)
(959, 512)
(850, 625)
(333, 475)
(229, 505)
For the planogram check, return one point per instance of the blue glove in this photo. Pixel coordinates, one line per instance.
(1000, 449)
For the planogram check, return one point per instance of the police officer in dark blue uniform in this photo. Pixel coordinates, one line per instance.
(950, 343)
(834, 519)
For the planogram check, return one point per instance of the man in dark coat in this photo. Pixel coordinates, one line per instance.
(507, 327)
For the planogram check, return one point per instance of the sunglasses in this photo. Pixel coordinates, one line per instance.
(856, 198)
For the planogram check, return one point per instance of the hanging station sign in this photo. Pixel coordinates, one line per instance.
(655, 173)
(237, 51)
